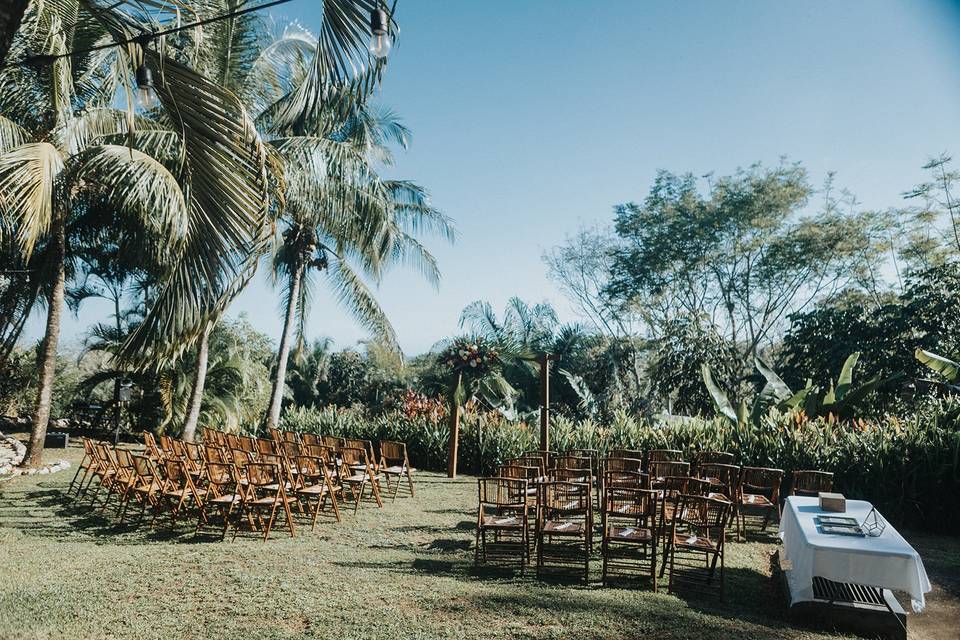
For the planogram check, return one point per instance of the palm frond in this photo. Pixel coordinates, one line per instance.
(27, 177)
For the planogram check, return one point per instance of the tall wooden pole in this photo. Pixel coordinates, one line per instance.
(545, 359)
(454, 427)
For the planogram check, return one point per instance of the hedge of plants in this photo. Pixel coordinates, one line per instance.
(909, 469)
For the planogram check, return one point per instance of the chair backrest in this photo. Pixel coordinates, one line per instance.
(633, 503)
(811, 483)
(143, 467)
(725, 476)
(546, 456)
(702, 514)
(517, 471)
(762, 481)
(311, 439)
(665, 468)
(358, 443)
(631, 479)
(561, 499)
(394, 453)
(525, 461)
(571, 475)
(502, 492)
(626, 453)
(214, 454)
(317, 451)
(353, 457)
(248, 443)
(715, 457)
(221, 478)
(266, 446)
(664, 455)
(261, 474)
(564, 461)
(332, 441)
(234, 442)
(623, 464)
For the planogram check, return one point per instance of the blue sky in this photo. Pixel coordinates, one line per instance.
(531, 118)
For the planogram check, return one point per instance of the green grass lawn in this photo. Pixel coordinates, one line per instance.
(404, 571)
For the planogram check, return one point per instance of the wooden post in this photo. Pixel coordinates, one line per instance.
(545, 359)
(454, 427)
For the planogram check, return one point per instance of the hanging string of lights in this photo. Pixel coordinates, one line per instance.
(380, 42)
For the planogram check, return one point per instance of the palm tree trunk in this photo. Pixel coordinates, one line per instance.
(196, 392)
(48, 357)
(276, 396)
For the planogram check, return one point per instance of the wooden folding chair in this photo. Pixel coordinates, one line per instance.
(146, 487)
(759, 493)
(315, 484)
(394, 463)
(152, 448)
(123, 479)
(86, 464)
(696, 542)
(630, 538)
(104, 470)
(265, 491)
(367, 446)
(222, 496)
(357, 475)
(178, 494)
(811, 483)
(565, 528)
(502, 521)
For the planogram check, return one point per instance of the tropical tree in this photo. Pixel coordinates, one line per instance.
(342, 221)
(198, 209)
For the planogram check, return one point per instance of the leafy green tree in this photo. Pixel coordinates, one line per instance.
(743, 253)
(930, 231)
(675, 364)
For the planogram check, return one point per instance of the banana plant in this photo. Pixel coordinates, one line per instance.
(947, 368)
(839, 400)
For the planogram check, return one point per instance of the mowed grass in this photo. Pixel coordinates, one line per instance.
(404, 571)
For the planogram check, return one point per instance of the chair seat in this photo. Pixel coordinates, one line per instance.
(152, 488)
(502, 522)
(689, 541)
(397, 470)
(268, 501)
(563, 528)
(630, 534)
(755, 500)
(360, 477)
(179, 493)
(227, 499)
(314, 489)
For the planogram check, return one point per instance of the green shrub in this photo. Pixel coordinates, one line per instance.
(909, 469)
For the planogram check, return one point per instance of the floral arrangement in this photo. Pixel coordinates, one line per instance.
(470, 356)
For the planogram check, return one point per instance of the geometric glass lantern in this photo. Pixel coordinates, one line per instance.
(873, 525)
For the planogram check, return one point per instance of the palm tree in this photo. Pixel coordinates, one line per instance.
(343, 221)
(59, 138)
(275, 80)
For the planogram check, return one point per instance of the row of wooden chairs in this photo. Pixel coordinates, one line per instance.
(257, 484)
(393, 462)
(561, 524)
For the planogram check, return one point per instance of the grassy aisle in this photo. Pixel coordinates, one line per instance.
(401, 572)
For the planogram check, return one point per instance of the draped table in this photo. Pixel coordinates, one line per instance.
(886, 561)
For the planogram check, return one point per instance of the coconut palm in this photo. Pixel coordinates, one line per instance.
(343, 222)
(61, 158)
(268, 74)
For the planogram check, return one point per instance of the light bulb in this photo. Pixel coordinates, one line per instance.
(147, 99)
(380, 45)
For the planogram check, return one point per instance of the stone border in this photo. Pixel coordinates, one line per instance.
(12, 452)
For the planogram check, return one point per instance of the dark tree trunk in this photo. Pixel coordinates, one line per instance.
(48, 353)
(196, 392)
(11, 15)
(276, 396)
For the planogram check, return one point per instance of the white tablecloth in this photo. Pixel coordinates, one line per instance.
(887, 561)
